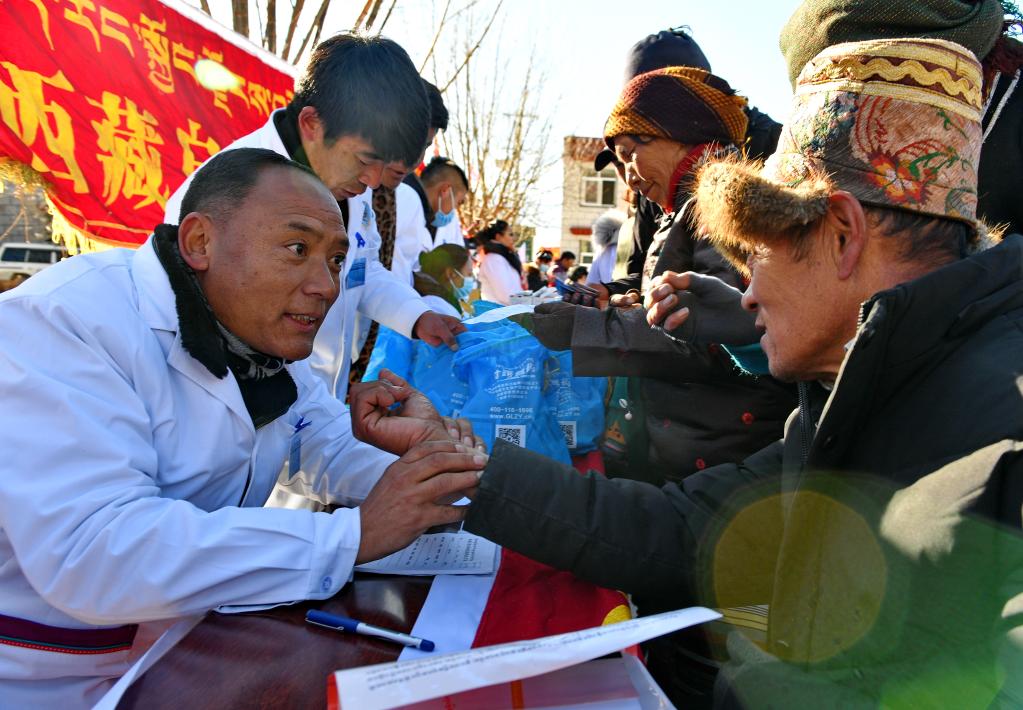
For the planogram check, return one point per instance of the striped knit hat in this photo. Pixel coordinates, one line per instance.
(683, 104)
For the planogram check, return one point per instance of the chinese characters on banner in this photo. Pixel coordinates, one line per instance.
(101, 98)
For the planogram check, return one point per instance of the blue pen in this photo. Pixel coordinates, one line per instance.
(343, 623)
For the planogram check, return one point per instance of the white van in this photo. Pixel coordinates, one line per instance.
(27, 259)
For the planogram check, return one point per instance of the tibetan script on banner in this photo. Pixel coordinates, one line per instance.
(102, 99)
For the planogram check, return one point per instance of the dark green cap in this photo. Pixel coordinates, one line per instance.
(819, 24)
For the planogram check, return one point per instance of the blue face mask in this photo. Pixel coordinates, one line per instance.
(462, 292)
(442, 218)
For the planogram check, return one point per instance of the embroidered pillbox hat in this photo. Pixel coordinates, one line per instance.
(894, 122)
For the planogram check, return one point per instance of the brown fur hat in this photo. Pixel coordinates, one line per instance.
(737, 208)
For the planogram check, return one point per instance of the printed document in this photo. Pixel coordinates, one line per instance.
(440, 553)
(391, 685)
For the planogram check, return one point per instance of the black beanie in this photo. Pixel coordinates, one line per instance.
(668, 48)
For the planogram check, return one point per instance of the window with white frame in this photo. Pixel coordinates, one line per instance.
(598, 189)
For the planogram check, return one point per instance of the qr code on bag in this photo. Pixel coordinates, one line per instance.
(568, 429)
(512, 433)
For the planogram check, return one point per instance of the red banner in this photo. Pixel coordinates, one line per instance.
(103, 99)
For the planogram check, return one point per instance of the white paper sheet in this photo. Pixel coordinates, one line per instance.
(603, 684)
(501, 313)
(391, 685)
(451, 614)
(439, 553)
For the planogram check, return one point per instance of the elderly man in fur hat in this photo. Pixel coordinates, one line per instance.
(882, 534)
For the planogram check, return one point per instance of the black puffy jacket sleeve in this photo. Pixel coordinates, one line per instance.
(622, 534)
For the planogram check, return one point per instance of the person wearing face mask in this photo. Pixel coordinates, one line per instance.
(540, 274)
(445, 279)
(446, 187)
(500, 267)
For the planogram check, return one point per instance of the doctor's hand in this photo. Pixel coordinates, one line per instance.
(700, 309)
(434, 329)
(415, 494)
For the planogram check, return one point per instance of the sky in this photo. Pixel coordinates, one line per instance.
(583, 44)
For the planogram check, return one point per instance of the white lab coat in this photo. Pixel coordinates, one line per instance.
(132, 480)
(379, 297)
(441, 306)
(411, 237)
(498, 279)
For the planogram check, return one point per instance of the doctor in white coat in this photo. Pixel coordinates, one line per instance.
(359, 105)
(149, 398)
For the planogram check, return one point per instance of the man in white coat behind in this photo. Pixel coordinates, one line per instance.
(359, 105)
(149, 398)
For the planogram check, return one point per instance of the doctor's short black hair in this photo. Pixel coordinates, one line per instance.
(367, 86)
(440, 168)
(220, 186)
(438, 111)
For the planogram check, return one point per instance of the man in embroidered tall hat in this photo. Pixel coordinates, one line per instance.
(882, 534)
(149, 399)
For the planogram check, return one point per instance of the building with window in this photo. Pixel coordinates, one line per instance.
(586, 194)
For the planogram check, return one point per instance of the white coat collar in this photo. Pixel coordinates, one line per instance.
(271, 138)
(156, 299)
(159, 311)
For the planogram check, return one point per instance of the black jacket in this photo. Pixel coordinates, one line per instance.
(1000, 174)
(886, 540)
(701, 410)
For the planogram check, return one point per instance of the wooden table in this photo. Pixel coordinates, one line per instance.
(274, 659)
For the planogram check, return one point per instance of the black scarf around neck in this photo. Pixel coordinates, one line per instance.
(266, 386)
(510, 256)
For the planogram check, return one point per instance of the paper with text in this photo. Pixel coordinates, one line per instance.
(440, 553)
(392, 685)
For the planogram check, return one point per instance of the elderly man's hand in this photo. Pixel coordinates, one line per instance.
(434, 329)
(629, 299)
(414, 495)
(700, 309)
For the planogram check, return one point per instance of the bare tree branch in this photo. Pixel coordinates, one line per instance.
(436, 36)
(314, 30)
(368, 11)
(473, 50)
(373, 13)
(205, 7)
(240, 16)
(270, 38)
(387, 17)
(295, 13)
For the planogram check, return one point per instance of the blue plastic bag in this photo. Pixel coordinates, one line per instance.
(433, 374)
(504, 367)
(392, 351)
(577, 403)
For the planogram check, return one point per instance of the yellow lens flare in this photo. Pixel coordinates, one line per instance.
(214, 76)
